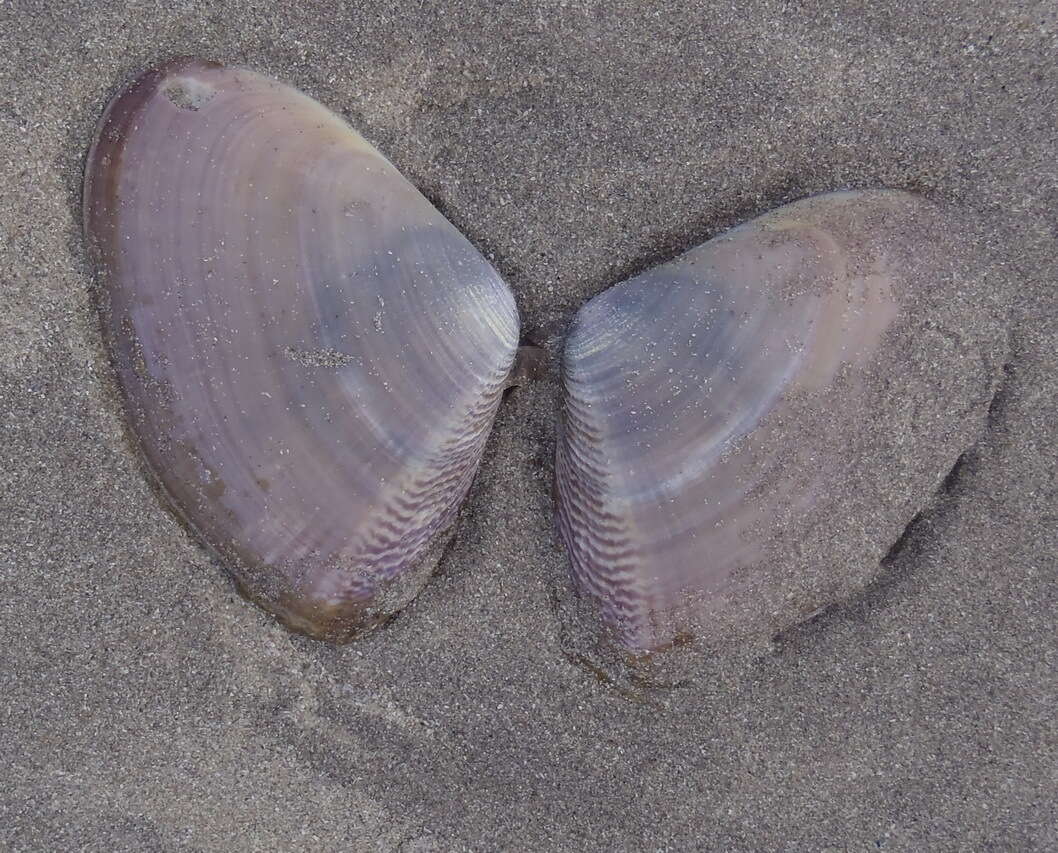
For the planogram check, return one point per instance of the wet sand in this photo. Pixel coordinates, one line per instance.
(145, 706)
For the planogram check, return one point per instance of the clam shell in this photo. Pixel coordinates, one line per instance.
(713, 407)
(310, 355)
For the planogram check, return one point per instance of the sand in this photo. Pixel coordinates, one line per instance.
(145, 706)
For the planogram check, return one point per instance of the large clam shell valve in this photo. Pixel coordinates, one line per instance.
(310, 355)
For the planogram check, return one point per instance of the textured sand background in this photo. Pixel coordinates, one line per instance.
(144, 706)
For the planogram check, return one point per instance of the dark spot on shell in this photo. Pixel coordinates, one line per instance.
(189, 96)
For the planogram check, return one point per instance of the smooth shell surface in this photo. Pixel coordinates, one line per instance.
(709, 403)
(310, 354)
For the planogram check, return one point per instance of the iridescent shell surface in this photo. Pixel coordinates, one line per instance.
(713, 405)
(310, 354)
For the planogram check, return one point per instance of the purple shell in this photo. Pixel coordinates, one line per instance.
(309, 353)
(709, 404)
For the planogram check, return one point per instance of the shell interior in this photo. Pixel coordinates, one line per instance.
(309, 353)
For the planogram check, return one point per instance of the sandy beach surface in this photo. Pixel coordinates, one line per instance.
(145, 706)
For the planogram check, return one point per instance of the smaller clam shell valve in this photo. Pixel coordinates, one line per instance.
(749, 428)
